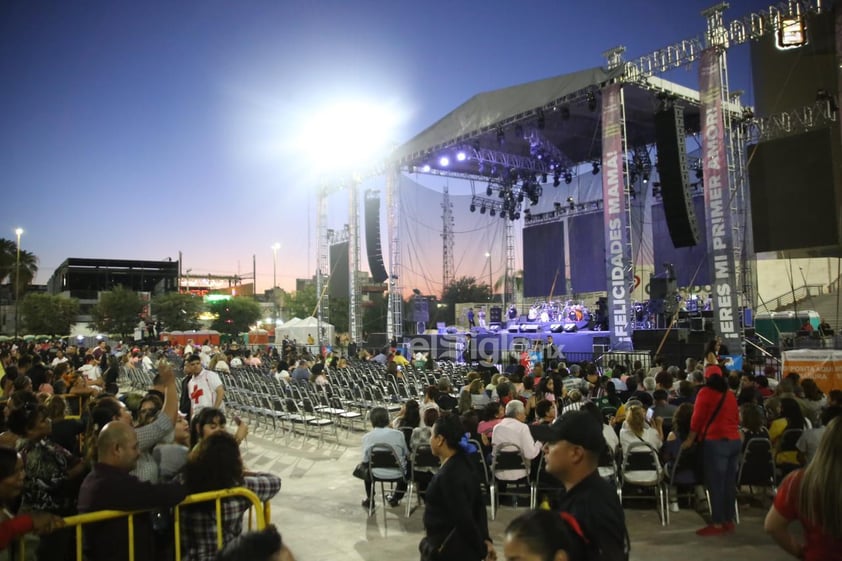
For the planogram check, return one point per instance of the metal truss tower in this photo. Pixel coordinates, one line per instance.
(323, 267)
(354, 260)
(508, 284)
(447, 222)
(394, 326)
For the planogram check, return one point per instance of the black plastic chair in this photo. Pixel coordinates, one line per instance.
(383, 456)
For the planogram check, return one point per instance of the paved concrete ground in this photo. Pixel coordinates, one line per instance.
(318, 512)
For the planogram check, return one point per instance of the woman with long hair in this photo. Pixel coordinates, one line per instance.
(712, 352)
(542, 534)
(813, 496)
(455, 520)
(715, 425)
(216, 464)
(791, 418)
(637, 429)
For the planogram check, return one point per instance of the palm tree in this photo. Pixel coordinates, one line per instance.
(516, 285)
(8, 260)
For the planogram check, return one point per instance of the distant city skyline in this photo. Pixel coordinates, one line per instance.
(138, 130)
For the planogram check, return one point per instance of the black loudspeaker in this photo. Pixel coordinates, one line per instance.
(421, 309)
(675, 348)
(660, 288)
(338, 282)
(672, 171)
(496, 314)
(372, 236)
(796, 181)
(528, 327)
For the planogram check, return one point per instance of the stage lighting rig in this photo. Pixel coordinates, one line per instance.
(492, 212)
(571, 204)
(482, 209)
(568, 177)
(473, 207)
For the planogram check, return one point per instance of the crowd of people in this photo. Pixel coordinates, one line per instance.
(119, 451)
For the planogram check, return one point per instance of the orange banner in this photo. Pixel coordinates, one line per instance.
(822, 365)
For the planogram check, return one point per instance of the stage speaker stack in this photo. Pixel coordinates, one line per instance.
(672, 171)
(496, 314)
(675, 348)
(796, 179)
(372, 236)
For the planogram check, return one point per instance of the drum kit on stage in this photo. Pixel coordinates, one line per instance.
(567, 313)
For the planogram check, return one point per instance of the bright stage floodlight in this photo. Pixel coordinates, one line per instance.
(461, 156)
(444, 161)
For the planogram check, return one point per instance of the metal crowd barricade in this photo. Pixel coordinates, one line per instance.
(262, 516)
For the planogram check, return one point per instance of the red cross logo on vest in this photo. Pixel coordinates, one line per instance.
(197, 393)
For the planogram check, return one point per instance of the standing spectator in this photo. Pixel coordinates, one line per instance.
(574, 443)
(204, 388)
(455, 519)
(716, 425)
(812, 496)
(215, 465)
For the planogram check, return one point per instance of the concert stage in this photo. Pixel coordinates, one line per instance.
(491, 346)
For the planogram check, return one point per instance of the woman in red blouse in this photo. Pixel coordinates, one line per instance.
(716, 426)
(813, 496)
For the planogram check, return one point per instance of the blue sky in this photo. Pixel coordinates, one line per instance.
(138, 129)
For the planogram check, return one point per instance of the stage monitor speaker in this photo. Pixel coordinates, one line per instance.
(672, 171)
(528, 327)
(660, 288)
(697, 324)
(372, 236)
(496, 314)
(556, 327)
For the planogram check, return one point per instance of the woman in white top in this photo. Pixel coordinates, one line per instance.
(636, 429)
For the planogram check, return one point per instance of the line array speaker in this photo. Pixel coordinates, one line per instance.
(672, 170)
(372, 237)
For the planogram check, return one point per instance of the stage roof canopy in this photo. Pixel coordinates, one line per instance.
(530, 127)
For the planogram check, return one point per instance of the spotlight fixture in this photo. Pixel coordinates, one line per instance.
(482, 209)
(444, 161)
(488, 191)
(568, 178)
(571, 204)
(557, 206)
(595, 168)
(645, 178)
(425, 168)
(502, 214)
(591, 101)
(461, 156)
(473, 207)
(556, 181)
(492, 212)
(543, 178)
(501, 136)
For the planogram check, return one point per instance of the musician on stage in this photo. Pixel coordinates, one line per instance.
(471, 323)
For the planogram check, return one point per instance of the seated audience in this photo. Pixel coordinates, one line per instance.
(809, 441)
(382, 434)
(514, 430)
(637, 429)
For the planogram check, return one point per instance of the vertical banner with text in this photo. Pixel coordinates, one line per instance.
(617, 248)
(724, 294)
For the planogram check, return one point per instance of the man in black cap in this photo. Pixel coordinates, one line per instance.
(573, 445)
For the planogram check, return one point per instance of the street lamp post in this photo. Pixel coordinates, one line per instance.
(490, 286)
(275, 247)
(18, 233)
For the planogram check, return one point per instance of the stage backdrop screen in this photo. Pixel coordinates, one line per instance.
(587, 253)
(685, 259)
(543, 259)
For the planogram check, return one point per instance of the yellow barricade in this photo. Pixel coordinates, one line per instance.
(262, 516)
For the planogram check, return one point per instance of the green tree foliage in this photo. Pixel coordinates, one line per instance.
(301, 303)
(375, 316)
(465, 289)
(118, 311)
(178, 312)
(8, 262)
(48, 314)
(235, 316)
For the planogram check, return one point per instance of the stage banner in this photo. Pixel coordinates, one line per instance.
(717, 201)
(616, 218)
(824, 366)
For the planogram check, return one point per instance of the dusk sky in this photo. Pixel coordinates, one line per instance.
(138, 129)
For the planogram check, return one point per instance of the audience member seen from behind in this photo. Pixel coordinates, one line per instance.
(215, 465)
(716, 425)
(574, 444)
(541, 535)
(809, 441)
(813, 497)
(11, 485)
(638, 430)
(455, 519)
(383, 435)
(791, 418)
